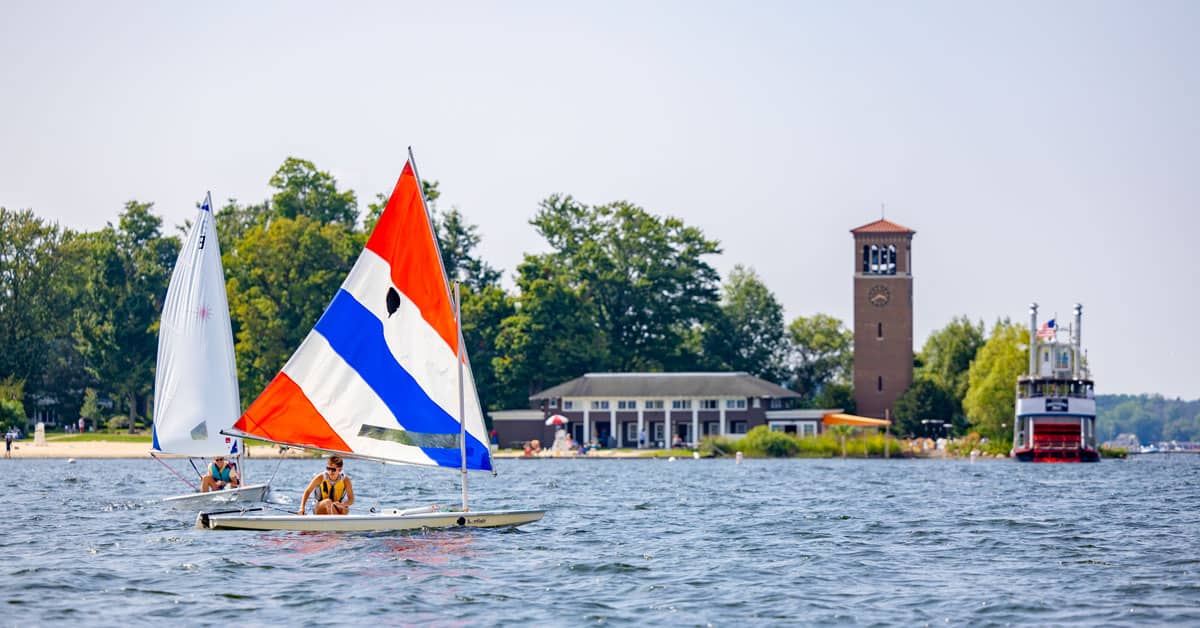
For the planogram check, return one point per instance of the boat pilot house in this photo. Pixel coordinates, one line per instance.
(644, 410)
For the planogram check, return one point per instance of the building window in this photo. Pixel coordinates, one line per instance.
(600, 405)
(627, 404)
(776, 403)
(658, 431)
(654, 404)
(554, 402)
(891, 265)
(757, 402)
(866, 258)
(879, 332)
(735, 404)
(880, 384)
(737, 427)
(568, 405)
(708, 404)
(681, 404)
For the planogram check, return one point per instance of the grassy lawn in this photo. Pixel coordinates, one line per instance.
(92, 437)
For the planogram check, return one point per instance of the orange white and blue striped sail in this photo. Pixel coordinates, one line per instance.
(378, 375)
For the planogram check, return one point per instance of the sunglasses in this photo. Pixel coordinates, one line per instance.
(332, 469)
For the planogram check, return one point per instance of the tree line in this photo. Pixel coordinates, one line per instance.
(620, 289)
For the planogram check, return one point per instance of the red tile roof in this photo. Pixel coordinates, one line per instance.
(882, 226)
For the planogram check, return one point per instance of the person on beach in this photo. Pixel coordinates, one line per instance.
(8, 444)
(221, 475)
(334, 492)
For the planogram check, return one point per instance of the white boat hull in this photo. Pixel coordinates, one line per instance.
(378, 521)
(196, 501)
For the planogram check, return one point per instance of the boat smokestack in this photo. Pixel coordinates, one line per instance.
(1033, 338)
(1078, 340)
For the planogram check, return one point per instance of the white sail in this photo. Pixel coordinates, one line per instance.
(195, 383)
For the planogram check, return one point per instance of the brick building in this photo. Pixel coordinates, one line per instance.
(883, 316)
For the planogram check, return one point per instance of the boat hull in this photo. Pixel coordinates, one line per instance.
(371, 522)
(242, 494)
(1056, 455)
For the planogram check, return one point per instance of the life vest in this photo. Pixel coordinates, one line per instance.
(332, 490)
(221, 475)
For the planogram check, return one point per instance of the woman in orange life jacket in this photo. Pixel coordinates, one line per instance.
(334, 492)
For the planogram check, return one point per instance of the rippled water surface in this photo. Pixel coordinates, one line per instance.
(688, 542)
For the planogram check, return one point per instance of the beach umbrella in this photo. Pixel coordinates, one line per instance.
(557, 419)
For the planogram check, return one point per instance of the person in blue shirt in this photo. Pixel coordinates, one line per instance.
(221, 475)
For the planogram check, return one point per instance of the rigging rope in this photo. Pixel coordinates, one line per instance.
(193, 463)
(277, 465)
(185, 481)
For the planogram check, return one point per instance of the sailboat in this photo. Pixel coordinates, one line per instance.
(195, 382)
(382, 376)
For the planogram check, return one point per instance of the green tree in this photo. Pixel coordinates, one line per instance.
(12, 410)
(821, 353)
(553, 335)
(280, 280)
(947, 354)
(483, 314)
(836, 395)
(925, 400)
(643, 277)
(90, 409)
(305, 191)
(457, 240)
(992, 391)
(125, 282)
(38, 284)
(234, 220)
(748, 333)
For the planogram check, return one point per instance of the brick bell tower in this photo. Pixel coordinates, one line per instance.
(883, 316)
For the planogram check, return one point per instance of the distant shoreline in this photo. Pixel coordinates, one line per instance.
(25, 449)
(109, 449)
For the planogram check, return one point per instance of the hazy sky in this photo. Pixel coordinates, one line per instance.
(1042, 151)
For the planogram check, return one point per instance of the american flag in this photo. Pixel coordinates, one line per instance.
(1046, 331)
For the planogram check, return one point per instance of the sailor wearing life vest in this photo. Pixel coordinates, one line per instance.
(333, 490)
(221, 475)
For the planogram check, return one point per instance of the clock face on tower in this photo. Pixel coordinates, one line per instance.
(878, 296)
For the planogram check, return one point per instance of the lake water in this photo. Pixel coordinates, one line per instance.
(651, 542)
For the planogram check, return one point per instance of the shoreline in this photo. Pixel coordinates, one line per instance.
(133, 450)
(109, 449)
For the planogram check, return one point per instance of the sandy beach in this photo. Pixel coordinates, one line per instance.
(105, 449)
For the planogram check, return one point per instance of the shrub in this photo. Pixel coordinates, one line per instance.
(1113, 452)
(117, 422)
(12, 414)
(762, 441)
(713, 446)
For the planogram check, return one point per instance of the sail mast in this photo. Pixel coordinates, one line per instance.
(462, 395)
(459, 352)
